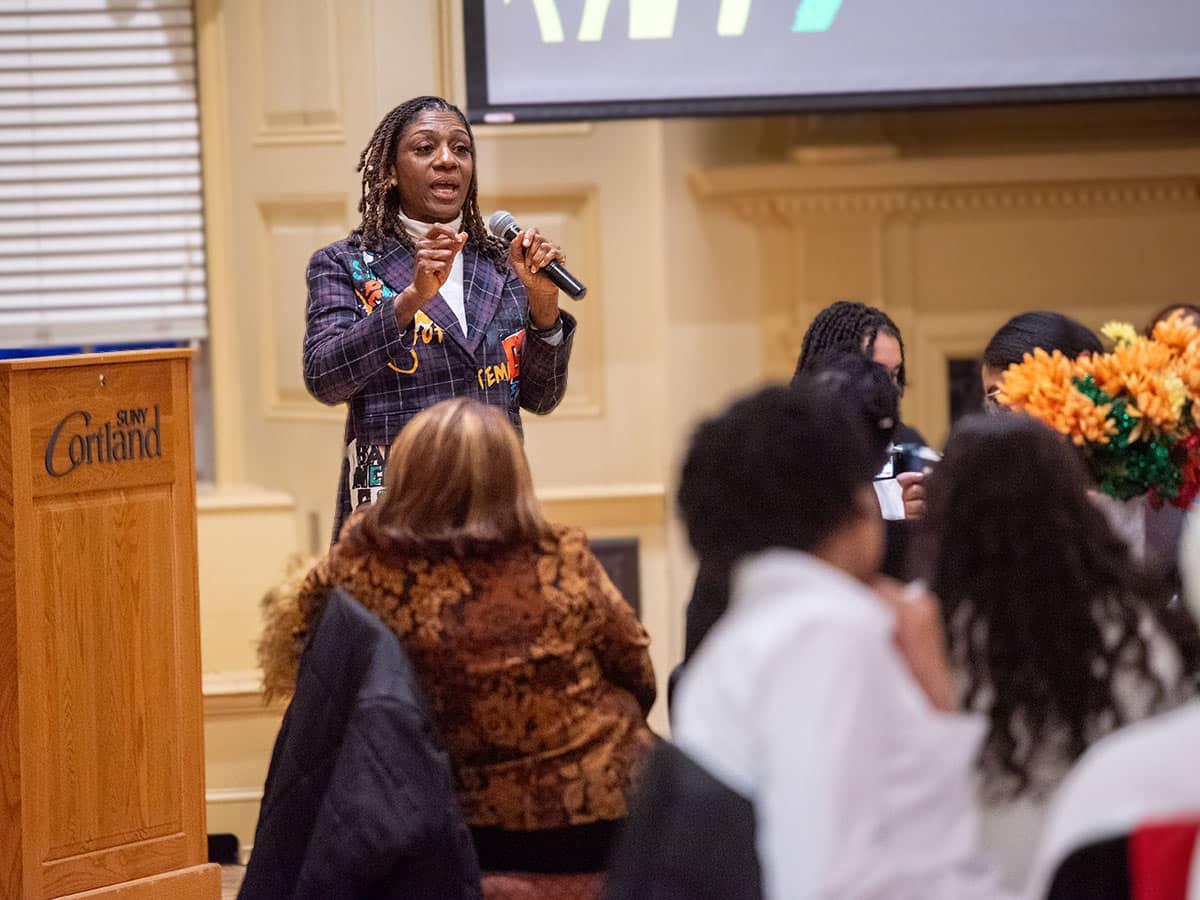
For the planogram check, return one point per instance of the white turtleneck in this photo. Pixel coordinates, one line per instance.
(452, 290)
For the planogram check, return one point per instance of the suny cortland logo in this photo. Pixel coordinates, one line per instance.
(655, 19)
(74, 442)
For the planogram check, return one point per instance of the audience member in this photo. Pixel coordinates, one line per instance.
(1057, 634)
(1190, 310)
(1025, 333)
(535, 669)
(826, 703)
(846, 326)
(1143, 774)
(1050, 331)
(859, 385)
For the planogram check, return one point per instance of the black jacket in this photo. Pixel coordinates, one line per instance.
(358, 801)
(688, 837)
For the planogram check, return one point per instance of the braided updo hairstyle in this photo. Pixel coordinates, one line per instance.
(848, 326)
(380, 200)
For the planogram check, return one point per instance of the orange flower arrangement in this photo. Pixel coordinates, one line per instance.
(1135, 411)
(1042, 387)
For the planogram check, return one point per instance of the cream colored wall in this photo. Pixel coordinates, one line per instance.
(707, 245)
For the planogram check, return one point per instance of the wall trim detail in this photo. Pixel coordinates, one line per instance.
(236, 695)
(233, 795)
(920, 186)
(211, 74)
(796, 207)
(613, 508)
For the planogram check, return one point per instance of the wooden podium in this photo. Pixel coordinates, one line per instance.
(101, 742)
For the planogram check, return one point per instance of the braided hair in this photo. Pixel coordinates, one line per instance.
(846, 326)
(380, 200)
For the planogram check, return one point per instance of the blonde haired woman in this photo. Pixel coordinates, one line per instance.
(535, 669)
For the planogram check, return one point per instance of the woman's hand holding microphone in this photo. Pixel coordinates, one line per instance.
(529, 253)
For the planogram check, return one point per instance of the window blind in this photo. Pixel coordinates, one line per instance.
(101, 218)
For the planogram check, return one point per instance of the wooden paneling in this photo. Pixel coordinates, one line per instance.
(12, 844)
(198, 881)
(299, 72)
(291, 229)
(110, 686)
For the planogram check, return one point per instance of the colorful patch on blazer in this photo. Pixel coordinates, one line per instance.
(370, 290)
(367, 462)
(509, 370)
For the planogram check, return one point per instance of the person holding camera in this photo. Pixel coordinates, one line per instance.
(851, 327)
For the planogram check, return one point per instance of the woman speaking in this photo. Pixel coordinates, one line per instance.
(420, 304)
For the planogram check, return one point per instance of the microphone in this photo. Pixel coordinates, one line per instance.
(501, 224)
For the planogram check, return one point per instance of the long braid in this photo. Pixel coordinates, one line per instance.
(379, 204)
(883, 324)
(847, 326)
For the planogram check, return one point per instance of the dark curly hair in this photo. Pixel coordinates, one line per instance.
(863, 385)
(780, 468)
(848, 326)
(1048, 331)
(380, 200)
(1047, 613)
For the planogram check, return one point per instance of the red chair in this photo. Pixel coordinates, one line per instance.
(1152, 862)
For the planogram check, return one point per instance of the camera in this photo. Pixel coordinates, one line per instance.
(907, 458)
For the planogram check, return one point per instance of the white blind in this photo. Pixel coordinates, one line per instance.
(101, 221)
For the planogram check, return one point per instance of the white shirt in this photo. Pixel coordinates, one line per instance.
(452, 290)
(799, 700)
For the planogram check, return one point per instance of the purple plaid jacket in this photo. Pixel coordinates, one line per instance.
(354, 352)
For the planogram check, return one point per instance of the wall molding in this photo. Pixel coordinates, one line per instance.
(212, 77)
(615, 508)
(291, 403)
(924, 186)
(237, 695)
(800, 207)
(223, 796)
(319, 125)
(229, 498)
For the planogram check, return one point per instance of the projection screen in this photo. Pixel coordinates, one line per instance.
(547, 60)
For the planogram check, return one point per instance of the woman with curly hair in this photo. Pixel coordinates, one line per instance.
(535, 669)
(1056, 633)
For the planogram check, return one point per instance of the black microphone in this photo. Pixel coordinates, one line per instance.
(501, 224)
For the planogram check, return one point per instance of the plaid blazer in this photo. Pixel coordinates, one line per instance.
(355, 353)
